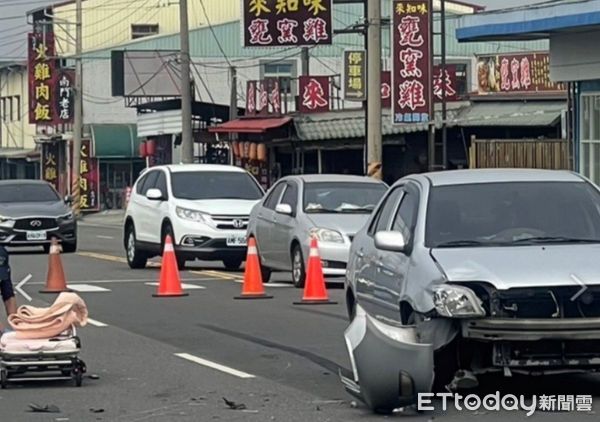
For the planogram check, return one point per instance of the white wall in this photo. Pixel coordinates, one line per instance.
(575, 56)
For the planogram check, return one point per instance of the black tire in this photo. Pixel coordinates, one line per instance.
(445, 365)
(3, 379)
(135, 258)
(46, 249)
(298, 273)
(168, 231)
(232, 264)
(69, 247)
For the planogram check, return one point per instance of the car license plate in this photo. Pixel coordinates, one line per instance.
(39, 235)
(236, 240)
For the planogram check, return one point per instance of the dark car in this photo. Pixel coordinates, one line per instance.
(32, 213)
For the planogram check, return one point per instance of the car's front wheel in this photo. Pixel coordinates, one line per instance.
(69, 247)
(298, 271)
(135, 258)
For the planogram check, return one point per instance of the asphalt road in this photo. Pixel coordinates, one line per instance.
(155, 357)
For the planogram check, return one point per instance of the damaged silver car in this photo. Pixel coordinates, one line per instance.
(466, 272)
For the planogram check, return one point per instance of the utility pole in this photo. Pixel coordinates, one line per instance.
(187, 142)
(374, 140)
(305, 59)
(78, 111)
(233, 99)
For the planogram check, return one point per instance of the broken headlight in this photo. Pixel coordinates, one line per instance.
(457, 302)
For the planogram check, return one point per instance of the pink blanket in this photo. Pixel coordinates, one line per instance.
(37, 323)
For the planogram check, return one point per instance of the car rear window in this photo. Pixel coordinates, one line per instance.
(24, 192)
(199, 185)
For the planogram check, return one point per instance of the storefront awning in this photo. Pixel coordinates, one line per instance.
(514, 113)
(250, 125)
(115, 140)
(19, 153)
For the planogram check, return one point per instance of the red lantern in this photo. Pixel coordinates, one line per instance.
(150, 147)
(142, 150)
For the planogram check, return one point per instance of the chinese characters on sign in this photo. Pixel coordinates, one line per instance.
(411, 62)
(50, 90)
(444, 83)
(386, 89)
(314, 94)
(263, 97)
(49, 162)
(514, 73)
(64, 96)
(286, 22)
(355, 73)
(41, 67)
(89, 181)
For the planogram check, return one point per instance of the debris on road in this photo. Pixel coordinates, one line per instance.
(233, 405)
(49, 408)
(96, 410)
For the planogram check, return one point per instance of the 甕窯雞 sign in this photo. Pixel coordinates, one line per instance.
(314, 94)
(355, 75)
(515, 73)
(411, 62)
(275, 23)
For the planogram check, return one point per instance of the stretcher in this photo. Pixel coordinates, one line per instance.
(52, 359)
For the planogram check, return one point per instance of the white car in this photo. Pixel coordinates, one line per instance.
(203, 207)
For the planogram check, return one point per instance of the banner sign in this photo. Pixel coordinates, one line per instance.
(515, 73)
(411, 62)
(50, 169)
(50, 89)
(444, 83)
(314, 94)
(355, 75)
(263, 98)
(89, 181)
(276, 23)
(386, 89)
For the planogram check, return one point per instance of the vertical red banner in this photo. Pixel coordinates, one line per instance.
(444, 83)
(411, 62)
(89, 180)
(386, 89)
(50, 164)
(314, 94)
(41, 68)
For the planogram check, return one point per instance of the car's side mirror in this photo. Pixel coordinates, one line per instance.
(391, 241)
(154, 194)
(68, 199)
(285, 209)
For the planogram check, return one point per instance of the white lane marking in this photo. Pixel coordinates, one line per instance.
(19, 288)
(105, 237)
(214, 365)
(184, 286)
(87, 288)
(97, 323)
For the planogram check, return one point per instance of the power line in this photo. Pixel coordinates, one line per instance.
(212, 31)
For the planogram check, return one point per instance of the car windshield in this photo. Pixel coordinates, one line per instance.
(342, 197)
(28, 192)
(506, 214)
(198, 185)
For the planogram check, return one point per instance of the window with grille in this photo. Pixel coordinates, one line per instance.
(589, 157)
(143, 30)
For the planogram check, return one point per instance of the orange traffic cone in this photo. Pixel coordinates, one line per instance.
(315, 292)
(56, 281)
(169, 284)
(253, 285)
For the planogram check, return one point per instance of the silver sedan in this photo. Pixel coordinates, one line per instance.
(331, 207)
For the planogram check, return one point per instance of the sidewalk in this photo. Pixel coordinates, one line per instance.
(112, 218)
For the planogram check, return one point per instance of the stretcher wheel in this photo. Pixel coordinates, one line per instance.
(77, 377)
(3, 378)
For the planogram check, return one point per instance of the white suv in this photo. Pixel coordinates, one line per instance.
(203, 207)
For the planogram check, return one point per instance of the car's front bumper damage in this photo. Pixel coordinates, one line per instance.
(390, 367)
